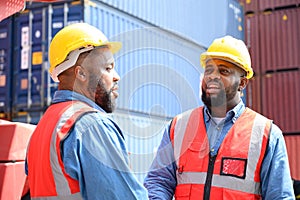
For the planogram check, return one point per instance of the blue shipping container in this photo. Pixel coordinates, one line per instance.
(5, 71)
(35, 27)
(198, 20)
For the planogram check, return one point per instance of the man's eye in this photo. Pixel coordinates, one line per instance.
(109, 68)
(208, 71)
(224, 71)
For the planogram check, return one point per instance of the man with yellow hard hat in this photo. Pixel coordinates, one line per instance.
(77, 151)
(222, 150)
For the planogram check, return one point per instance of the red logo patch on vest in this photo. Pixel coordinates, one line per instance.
(234, 167)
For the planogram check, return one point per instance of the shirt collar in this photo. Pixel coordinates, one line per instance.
(232, 114)
(68, 95)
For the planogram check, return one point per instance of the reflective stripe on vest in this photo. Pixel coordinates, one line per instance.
(51, 181)
(76, 196)
(185, 128)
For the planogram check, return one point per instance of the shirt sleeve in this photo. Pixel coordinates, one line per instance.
(275, 173)
(161, 178)
(94, 153)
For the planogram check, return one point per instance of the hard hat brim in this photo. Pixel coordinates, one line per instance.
(226, 57)
(113, 46)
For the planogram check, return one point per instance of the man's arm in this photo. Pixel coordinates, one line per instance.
(275, 173)
(161, 178)
(95, 155)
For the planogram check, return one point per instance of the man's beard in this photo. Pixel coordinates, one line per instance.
(221, 98)
(103, 97)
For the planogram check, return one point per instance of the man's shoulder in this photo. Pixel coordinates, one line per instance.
(251, 110)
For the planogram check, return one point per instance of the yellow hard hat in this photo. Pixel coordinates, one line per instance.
(73, 40)
(229, 49)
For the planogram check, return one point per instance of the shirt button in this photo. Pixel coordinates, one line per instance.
(212, 150)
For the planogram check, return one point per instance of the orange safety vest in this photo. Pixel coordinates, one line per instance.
(234, 173)
(46, 172)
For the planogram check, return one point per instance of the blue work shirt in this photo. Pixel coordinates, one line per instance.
(94, 153)
(276, 182)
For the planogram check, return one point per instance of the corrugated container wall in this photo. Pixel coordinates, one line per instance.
(277, 4)
(34, 28)
(280, 100)
(276, 62)
(5, 70)
(212, 18)
(253, 97)
(249, 6)
(293, 149)
(280, 49)
(255, 6)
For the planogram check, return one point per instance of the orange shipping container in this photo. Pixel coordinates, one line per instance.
(279, 40)
(12, 180)
(14, 139)
(280, 100)
(277, 4)
(293, 149)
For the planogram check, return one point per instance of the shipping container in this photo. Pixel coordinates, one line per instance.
(252, 40)
(160, 73)
(249, 6)
(34, 29)
(279, 49)
(5, 71)
(293, 148)
(211, 18)
(12, 180)
(14, 139)
(280, 99)
(277, 4)
(253, 98)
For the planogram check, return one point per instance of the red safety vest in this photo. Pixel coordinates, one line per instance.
(46, 172)
(234, 173)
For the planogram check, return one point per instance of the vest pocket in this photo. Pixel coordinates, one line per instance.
(195, 153)
(183, 192)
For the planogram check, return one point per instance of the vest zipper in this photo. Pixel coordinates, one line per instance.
(209, 175)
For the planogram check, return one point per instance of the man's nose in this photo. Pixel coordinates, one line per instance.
(116, 76)
(214, 74)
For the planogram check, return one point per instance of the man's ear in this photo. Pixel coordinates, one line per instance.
(243, 83)
(80, 73)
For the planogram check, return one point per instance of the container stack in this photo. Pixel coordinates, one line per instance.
(272, 29)
(14, 139)
(5, 68)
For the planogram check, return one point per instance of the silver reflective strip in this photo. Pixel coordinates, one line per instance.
(243, 185)
(219, 181)
(61, 183)
(75, 196)
(179, 131)
(191, 178)
(255, 145)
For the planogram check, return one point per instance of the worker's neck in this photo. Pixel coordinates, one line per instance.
(218, 111)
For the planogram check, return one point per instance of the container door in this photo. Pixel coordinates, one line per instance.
(5, 68)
